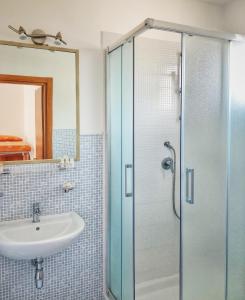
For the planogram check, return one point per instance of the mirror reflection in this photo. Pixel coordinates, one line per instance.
(38, 98)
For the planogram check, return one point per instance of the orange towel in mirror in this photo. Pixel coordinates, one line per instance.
(14, 147)
(10, 138)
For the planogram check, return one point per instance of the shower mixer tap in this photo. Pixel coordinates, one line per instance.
(168, 164)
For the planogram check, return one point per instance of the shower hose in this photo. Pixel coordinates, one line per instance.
(174, 184)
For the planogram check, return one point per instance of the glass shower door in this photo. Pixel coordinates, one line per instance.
(236, 220)
(128, 169)
(120, 268)
(204, 168)
(114, 144)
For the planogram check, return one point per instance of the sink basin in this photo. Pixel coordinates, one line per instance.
(22, 239)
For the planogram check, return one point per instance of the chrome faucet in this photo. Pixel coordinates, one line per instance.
(36, 213)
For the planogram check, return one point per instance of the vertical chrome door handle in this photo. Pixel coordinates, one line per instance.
(128, 180)
(190, 186)
(179, 90)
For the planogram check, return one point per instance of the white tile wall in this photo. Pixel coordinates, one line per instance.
(77, 272)
(157, 108)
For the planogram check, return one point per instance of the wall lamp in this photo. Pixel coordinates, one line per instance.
(38, 36)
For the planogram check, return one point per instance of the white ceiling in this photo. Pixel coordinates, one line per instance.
(217, 1)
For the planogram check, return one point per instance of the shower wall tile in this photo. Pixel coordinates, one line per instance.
(157, 109)
(148, 215)
(76, 273)
(158, 235)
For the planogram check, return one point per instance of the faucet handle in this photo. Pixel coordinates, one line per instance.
(36, 212)
(36, 207)
(68, 186)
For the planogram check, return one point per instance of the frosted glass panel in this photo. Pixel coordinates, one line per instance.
(236, 204)
(120, 66)
(115, 176)
(127, 168)
(204, 144)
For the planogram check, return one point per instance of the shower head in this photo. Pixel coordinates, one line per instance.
(168, 145)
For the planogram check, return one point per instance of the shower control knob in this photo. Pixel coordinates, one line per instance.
(167, 163)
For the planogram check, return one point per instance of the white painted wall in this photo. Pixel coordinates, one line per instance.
(17, 114)
(29, 117)
(12, 110)
(234, 16)
(81, 23)
(58, 65)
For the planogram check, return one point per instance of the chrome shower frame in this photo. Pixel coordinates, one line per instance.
(183, 30)
(173, 27)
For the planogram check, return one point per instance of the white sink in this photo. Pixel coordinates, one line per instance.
(22, 239)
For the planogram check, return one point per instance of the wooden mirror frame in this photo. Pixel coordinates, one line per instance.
(47, 89)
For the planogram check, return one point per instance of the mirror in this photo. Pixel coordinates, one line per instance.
(39, 116)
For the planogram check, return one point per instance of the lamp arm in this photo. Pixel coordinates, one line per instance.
(58, 36)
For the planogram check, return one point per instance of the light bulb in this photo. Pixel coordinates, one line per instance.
(23, 36)
(57, 42)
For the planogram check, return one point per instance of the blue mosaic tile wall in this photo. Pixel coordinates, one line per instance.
(76, 273)
(64, 142)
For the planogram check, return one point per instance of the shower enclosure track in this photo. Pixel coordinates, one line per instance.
(173, 27)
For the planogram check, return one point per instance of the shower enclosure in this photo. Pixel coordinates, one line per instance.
(175, 140)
